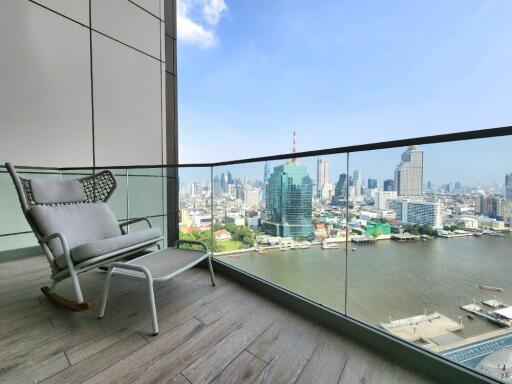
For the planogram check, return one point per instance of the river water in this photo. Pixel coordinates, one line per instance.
(391, 279)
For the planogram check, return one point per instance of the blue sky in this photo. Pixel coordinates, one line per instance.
(339, 73)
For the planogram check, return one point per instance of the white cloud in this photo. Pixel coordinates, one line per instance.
(197, 20)
(213, 10)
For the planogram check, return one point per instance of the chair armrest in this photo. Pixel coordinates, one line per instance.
(64, 244)
(192, 242)
(133, 221)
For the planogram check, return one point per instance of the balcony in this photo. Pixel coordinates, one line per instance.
(358, 283)
(226, 334)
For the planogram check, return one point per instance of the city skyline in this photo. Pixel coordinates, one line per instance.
(442, 164)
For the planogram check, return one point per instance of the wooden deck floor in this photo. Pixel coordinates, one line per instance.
(225, 334)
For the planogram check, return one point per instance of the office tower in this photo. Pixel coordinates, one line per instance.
(323, 175)
(357, 182)
(508, 186)
(389, 185)
(417, 212)
(340, 190)
(409, 173)
(382, 199)
(251, 197)
(230, 178)
(457, 186)
(372, 183)
(430, 185)
(289, 202)
(217, 188)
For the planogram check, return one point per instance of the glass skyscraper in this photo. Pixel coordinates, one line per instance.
(289, 202)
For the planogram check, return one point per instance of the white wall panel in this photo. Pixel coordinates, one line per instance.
(45, 95)
(127, 99)
(76, 9)
(127, 23)
(152, 6)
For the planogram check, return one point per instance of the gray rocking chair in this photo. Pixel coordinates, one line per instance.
(76, 229)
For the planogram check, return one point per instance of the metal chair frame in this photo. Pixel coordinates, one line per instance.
(98, 187)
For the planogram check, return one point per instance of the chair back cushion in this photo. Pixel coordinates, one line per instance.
(79, 223)
(57, 191)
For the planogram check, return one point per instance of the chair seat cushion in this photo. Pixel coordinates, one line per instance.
(98, 248)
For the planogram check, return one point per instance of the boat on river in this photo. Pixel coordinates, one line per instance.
(330, 246)
(489, 288)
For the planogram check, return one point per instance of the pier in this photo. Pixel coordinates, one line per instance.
(422, 327)
(477, 311)
(362, 239)
(404, 237)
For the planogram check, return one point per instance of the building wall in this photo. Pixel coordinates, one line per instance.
(84, 81)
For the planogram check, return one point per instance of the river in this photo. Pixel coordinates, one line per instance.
(392, 279)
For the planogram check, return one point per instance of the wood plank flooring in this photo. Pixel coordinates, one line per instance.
(208, 335)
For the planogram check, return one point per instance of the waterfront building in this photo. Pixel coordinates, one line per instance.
(389, 185)
(372, 183)
(508, 187)
(468, 222)
(378, 229)
(289, 202)
(382, 199)
(357, 182)
(409, 173)
(417, 212)
(323, 175)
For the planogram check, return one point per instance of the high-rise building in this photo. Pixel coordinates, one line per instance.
(409, 173)
(389, 185)
(289, 202)
(417, 212)
(323, 176)
(382, 199)
(340, 190)
(217, 187)
(508, 186)
(251, 197)
(372, 183)
(357, 182)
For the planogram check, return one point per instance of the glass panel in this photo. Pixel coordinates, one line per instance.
(145, 192)
(284, 221)
(118, 202)
(12, 242)
(431, 248)
(195, 194)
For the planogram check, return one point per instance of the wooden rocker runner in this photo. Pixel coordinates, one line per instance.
(76, 229)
